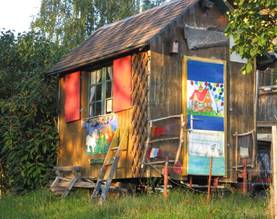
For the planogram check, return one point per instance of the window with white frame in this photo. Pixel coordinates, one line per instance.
(100, 92)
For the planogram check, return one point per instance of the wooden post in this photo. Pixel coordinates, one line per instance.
(165, 193)
(190, 182)
(215, 182)
(274, 170)
(244, 176)
(210, 179)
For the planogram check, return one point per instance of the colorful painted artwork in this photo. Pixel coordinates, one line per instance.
(202, 146)
(100, 133)
(205, 120)
(205, 98)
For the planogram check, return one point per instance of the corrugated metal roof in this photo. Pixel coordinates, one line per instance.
(125, 35)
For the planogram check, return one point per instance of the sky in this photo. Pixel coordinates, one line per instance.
(18, 14)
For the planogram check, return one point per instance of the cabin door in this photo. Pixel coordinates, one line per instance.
(204, 104)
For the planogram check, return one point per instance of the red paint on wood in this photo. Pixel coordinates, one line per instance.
(122, 84)
(165, 172)
(244, 176)
(72, 97)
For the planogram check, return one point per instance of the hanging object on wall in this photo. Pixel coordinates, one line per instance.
(204, 37)
(99, 134)
(174, 47)
(202, 146)
(205, 108)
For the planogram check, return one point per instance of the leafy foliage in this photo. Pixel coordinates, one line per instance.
(28, 136)
(70, 22)
(147, 4)
(253, 25)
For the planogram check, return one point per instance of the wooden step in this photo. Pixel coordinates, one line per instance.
(59, 188)
(68, 168)
(82, 184)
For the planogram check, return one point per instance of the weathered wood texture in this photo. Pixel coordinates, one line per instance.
(163, 95)
(267, 110)
(267, 102)
(166, 77)
(241, 113)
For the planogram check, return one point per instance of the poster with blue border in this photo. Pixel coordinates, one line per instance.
(205, 110)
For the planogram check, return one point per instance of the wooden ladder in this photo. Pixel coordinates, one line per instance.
(111, 162)
(149, 141)
(62, 185)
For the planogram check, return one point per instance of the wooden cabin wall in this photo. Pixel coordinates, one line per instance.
(267, 101)
(166, 68)
(71, 135)
(71, 151)
(166, 76)
(267, 106)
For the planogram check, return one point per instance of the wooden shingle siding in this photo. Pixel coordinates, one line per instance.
(128, 34)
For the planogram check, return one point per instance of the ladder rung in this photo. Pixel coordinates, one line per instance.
(115, 148)
(164, 139)
(108, 164)
(159, 162)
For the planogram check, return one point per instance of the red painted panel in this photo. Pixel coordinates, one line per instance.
(72, 97)
(122, 84)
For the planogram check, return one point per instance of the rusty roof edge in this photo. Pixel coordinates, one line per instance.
(92, 61)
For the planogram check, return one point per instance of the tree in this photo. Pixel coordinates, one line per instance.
(70, 22)
(147, 4)
(28, 135)
(253, 25)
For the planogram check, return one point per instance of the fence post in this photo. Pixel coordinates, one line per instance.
(210, 179)
(244, 176)
(165, 193)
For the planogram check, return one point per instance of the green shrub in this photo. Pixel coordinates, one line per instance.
(28, 137)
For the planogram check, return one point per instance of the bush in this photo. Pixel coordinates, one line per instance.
(28, 136)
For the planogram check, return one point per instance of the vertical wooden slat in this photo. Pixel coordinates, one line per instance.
(274, 160)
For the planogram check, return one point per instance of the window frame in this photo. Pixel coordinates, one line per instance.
(103, 82)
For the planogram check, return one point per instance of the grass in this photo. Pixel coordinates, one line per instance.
(43, 205)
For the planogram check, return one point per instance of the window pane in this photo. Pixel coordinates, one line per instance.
(92, 94)
(95, 77)
(98, 92)
(97, 108)
(99, 76)
(109, 73)
(109, 89)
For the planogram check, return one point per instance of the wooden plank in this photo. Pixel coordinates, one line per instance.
(274, 161)
(163, 139)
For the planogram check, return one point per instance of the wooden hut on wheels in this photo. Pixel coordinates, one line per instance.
(158, 86)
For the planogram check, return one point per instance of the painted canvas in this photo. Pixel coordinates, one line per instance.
(100, 133)
(202, 146)
(205, 110)
(205, 98)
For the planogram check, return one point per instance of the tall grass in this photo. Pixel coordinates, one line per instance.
(180, 204)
